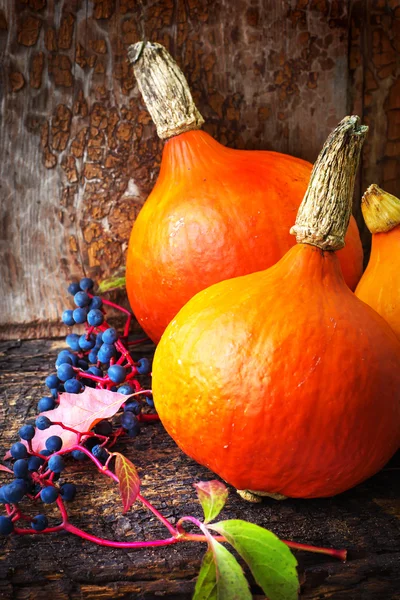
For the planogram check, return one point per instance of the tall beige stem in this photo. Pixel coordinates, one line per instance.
(164, 89)
(325, 211)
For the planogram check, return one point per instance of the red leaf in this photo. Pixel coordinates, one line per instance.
(6, 469)
(129, 481)
(80, 412)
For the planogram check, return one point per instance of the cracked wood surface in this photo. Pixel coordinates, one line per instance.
(80, 153)
(364, 520)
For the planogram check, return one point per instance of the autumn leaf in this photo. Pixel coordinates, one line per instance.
(6, 469)
(129, 481)
(212, 495)
(80, 412)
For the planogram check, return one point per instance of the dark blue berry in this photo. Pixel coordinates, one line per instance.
(99, 453)
(52, 381)
(95, 317)
(20, 468)
(45, 452)
(14, 491)
(143, 366)
(133, 406)
(80, 315)
(39, 522)
(83, 364)
(73, 386)
(81, 299)
(106, 352)
(46, 404)
(126, 389)
(96, 302)
(49, 494)
(67, 318)
(72, 340)
(68, 491)
(95, 371)
(27, 432)
(99, 340)
(86, 343)
(2, 498)
(18, 450)
(54, 394)
(150, 402)
(92, 356)
(42, 422)
(34, 462)
(65, 371)
(54, 443)
(56, 463)
(86, 284)
(74, 288)
(62, 360)
(78, 455)
(117, 373)
(103, 427)
(128, 420)
(110, 336)
(134, 431)
(6, 526)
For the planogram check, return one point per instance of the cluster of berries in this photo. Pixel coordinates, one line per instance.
(98, 358)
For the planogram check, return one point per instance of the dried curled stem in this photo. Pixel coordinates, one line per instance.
(324, 214)
(381, 210)
(164, 89)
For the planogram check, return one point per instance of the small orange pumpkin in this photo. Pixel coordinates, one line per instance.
(215, 212)
(282, 381)
(380, 284)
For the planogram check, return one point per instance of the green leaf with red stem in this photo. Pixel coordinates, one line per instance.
(272, 564)
(129, 481)
(212, 495)
(221, 577)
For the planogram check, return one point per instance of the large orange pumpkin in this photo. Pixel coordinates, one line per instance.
(282, 381)
(380, 284)
(215, 212)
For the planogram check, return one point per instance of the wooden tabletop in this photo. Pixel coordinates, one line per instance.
(364, 520)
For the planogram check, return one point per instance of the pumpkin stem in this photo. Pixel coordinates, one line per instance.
(380, 209)
(164, 89)
(325, 211)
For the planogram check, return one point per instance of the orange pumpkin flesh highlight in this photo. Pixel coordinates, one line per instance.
(215, 213)
(282, 381)
(379, 286)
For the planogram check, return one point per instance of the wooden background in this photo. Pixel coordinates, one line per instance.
(79, 154)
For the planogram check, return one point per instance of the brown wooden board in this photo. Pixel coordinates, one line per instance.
(364, 520)
(79, 153)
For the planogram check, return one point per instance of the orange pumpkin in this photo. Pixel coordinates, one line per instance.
(380, 284)
(215, 212)
(282, 381)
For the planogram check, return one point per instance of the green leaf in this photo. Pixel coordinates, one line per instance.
(221, 577)
(212, 496)
(129, 481)
(270, 560)
(206, 585)
(113, 283)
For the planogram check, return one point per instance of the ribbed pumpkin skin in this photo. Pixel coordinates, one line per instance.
(215, 213)
(282, 381)
(380, 284)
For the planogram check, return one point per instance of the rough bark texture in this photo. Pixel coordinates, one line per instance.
(80, 153)
(62, 567)
(324, 214)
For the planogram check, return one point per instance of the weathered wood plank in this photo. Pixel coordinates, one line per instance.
(364, 520)
(79, 153)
